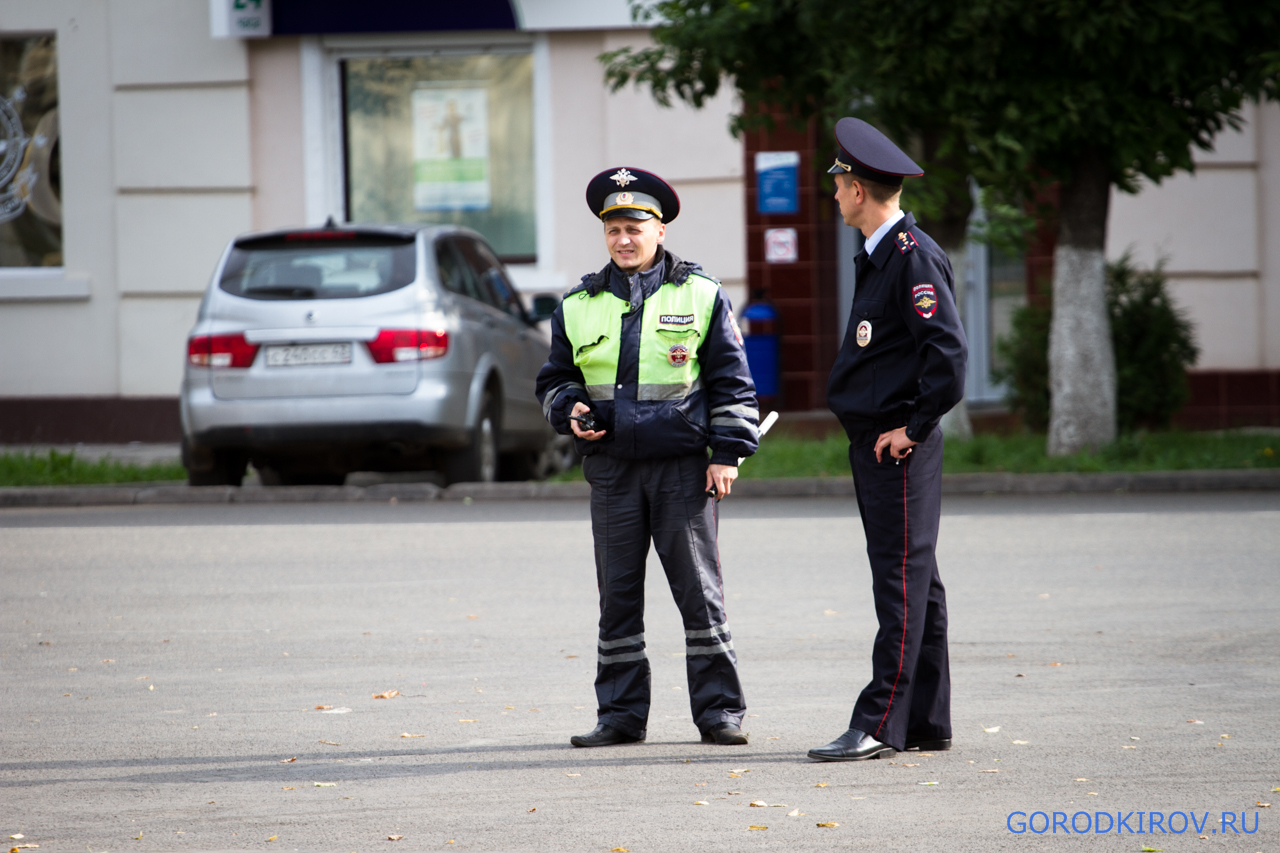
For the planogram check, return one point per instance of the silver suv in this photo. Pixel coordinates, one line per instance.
(324, 351)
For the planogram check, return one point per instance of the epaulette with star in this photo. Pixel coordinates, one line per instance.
(906, 243)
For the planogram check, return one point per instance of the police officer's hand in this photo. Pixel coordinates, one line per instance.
(721, 477)
(897, 442)
(588, 434)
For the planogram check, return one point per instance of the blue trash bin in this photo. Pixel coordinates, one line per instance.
(761, 344)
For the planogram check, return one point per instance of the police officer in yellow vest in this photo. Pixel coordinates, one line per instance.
(647, 352)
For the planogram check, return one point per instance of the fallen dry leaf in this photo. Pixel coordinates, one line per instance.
(988, 771)
(1082, 779)
(151, 687)
(1021, 742)
(326, 784)
(771, 738)
(1197, 722)
(1019, 675)
(1093, 793)
(831, 613)
(1224, 737)
(1128, 747)
(793, 813)
(830, 823)
(472, 616)
(926, 783)
(579, 774)
(288, 788)
(394, 837)
(534, 809)
(288, 760)
(619, 850)
(337, 711)
(331, 742)
(757, 827)
(758, 804)
(735, 775)
(18, 847)
(323, 707)
(991, 730)
(389, 694)
(406, 734)
(911, 765)
(699, 784)
(273, 838)
(17, 837)
(570, 657)
(820, 785)
(741, 770)
(1131, 737)
(468, 721)
(734, 793)
(1055, 663)
(700, 802)
(1264, 805)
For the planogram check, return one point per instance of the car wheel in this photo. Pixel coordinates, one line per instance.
(479, 461)
(222, 468)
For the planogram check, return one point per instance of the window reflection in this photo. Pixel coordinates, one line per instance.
(30, 170)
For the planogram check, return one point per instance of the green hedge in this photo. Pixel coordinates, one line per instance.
(66, 469)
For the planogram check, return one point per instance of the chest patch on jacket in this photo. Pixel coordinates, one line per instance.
(925, 298)
(675, 319)
(678, 355)
(862, 335)
(906, 242)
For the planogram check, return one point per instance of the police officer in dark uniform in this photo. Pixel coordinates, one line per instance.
(900, 369)
(647, 370)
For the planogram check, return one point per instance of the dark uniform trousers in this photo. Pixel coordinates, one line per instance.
(632, 502)
(909, 697)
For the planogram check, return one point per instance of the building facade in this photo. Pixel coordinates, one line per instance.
(138, 136)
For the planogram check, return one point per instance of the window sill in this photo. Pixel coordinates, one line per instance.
(34, 284)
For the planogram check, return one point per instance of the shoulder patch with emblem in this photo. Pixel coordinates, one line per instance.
(906, 243)
(925, 298)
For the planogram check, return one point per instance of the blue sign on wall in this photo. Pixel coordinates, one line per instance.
(777, 182)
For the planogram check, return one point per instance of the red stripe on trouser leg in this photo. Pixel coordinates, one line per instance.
(903, 647)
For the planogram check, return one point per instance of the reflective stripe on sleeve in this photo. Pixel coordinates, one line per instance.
(737, 423)
(738, 409)
(549, 400)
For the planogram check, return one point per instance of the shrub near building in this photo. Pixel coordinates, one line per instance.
(1154, 345)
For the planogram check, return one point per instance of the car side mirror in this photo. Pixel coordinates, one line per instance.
(544, 306)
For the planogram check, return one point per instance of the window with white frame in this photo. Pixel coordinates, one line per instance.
(444, 138)
(30, 170)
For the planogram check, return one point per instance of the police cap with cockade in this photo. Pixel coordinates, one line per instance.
(632, 192)
(868, 153)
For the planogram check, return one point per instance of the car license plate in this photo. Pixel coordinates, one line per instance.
(298, 355)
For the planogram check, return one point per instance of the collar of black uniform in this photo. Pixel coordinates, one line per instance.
(887, 243)
(675, 271)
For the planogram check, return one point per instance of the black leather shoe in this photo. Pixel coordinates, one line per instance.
(603, 735)
(725, 734)
(936, 745)
(853, 745)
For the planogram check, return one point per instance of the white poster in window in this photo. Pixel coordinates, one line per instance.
(451, 148)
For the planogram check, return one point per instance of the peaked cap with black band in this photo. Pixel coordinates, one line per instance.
(868, 153)
(627, 191)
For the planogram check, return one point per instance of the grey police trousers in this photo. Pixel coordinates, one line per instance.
(663, 500)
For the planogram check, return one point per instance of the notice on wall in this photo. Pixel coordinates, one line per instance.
(781, 246)
(777, 182)
(451, 147)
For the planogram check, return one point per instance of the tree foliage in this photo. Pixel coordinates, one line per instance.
(1011, 91)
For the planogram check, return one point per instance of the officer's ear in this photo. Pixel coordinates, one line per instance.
(662, 230)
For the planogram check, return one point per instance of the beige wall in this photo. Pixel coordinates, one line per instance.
(594, 129)
(1215, 232)
(156, 178)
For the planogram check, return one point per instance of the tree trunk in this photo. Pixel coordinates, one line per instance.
(1082, 370)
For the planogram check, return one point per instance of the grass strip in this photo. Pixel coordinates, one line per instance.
(782, 456)
(66, 469)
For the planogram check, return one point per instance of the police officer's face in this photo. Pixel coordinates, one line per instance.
(851, 197)
(633, 242)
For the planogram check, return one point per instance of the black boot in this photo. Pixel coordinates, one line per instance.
(853, 745)
(725, 734)
(603, 735)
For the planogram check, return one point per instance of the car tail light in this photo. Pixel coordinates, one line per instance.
(408, 345)
(221, 351)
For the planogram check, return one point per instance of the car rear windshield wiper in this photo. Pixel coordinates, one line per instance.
(282, 291)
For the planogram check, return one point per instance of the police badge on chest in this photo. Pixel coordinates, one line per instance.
(678, 355)
(863, 333)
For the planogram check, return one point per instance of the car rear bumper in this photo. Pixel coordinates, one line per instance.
(433, 416)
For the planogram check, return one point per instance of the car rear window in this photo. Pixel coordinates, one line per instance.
(319, 265)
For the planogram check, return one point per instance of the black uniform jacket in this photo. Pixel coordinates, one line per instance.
(721, 414)
(910, 371)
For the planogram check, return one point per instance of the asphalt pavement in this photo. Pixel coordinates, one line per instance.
(203, 677)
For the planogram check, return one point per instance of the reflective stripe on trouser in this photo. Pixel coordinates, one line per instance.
(664, 501)
(909, 696)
